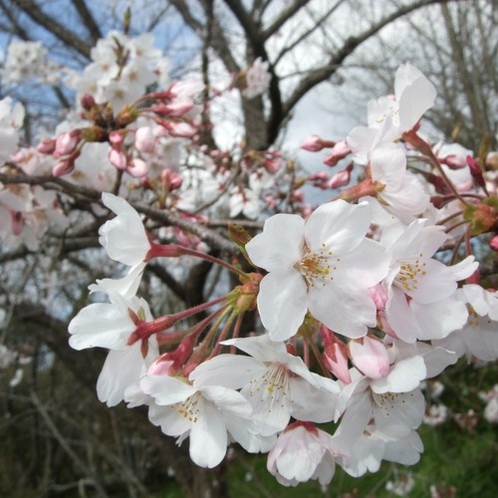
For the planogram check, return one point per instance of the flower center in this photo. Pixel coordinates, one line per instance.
(272, 387)
(409, 273)
(189, 408)
(317, 267)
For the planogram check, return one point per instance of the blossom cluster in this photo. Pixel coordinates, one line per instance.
(355, 306)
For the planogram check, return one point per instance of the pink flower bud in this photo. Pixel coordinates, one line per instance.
(297, 195)
(87, 101)
(336, 358)
(339, 151)
(118, 159)
(46, 146)
(66, 143)
(370, 357)
(137, 168)
(313, 143)
(342, 178)
(272, 165)
(17, 222)
(454, 161)
(493, 243)
(181, 130)
(63, 167)
(171, 180)
(379, 296)
(116, 137)
(177, 109)
(145, 140)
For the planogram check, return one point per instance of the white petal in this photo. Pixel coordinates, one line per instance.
(278, 247)
(121, 369)
(282, 303)
(208, 437)
(100, 325)
(337, 226)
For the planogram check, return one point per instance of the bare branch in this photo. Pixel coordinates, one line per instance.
(88, 20)
(57, 29)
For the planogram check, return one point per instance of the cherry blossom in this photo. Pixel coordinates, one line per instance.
(204, 413)
(302, 452)
(315, 265)
(277, 384)
(421, 289)
(124, 237)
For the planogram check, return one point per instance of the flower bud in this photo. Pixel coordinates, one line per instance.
(137, 168)
(370, 357)
(144, 139)
(66, 143)
(87, 101)
(46, 146)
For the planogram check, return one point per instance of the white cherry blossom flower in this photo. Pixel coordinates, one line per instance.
(124, 237)
(113, 326)
(207, 414)
(277, 384)
(390, 116)
(421, 289)
(478, 337)
(324, 265)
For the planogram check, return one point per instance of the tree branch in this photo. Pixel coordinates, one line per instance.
(30, 8)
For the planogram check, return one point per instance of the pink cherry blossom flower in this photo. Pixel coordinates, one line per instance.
(302, 452)
(324, 265)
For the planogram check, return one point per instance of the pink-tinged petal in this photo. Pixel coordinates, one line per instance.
(278, 247)
(370, 357)
(337, 226)
(290, 464)
(405, 376)
(100, 325)
(166, 390)
(208, 437)
(121, 369)
(400, 317)
(282, 303)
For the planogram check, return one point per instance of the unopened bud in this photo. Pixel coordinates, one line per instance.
(126, 116)
(46, 146)
(87, 101)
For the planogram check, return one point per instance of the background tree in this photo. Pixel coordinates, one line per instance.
(43, 287)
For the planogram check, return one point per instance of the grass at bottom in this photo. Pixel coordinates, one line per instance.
(454, 459)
